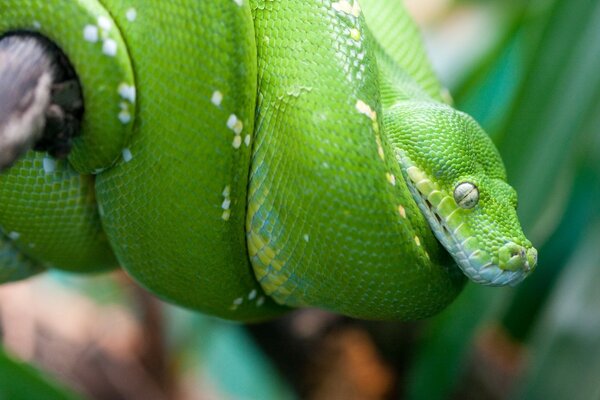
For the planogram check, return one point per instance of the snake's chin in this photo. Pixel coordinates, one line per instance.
(477, 264)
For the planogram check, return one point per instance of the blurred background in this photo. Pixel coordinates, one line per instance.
(529, 72)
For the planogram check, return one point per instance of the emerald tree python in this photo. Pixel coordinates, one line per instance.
(241, 157)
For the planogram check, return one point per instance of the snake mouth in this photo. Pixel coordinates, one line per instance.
(507, 266)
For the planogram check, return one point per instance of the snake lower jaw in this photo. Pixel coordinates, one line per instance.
(492, 274)
(478, 265)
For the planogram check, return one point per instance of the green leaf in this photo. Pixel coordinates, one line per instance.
(447, 340)
(566, 344)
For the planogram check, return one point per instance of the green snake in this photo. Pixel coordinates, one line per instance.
(243, 157)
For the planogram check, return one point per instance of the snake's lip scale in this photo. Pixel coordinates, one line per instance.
(484, 273)
(477, 265)
(487, 273)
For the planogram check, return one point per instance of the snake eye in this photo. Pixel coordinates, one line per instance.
(466, 195)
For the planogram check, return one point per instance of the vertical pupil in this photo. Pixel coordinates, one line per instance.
(466, 195)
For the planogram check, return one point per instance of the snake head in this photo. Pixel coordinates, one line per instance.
(458, 180)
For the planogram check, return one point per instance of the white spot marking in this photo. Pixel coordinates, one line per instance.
(247, 140)
(37, 25)
(109, 47)
(217, 98)
(90, 33)
(306, 238)
(231, 121)
(238, 301)
(260, 301)
(226, 204)
(131, 14)
(239, 2)
(252, 294)
(125, 117)
(127, 156)
(237, 142)
(345, 7)
(49, 165)
(14, 235)
(235, 124)
(104, 23)
(127, 92)
(227, 191)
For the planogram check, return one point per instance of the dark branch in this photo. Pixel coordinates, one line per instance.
(25, 88)
(40, 98)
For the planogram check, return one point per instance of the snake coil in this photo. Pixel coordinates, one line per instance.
(240, 158)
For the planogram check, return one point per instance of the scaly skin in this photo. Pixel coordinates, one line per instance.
(249, 157)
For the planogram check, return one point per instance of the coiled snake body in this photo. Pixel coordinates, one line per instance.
(238, 158)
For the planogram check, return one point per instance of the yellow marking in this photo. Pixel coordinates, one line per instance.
(425, 186)
(365, 109)
(226, 215)
(236, 303)
(417, 241)
(391, 179)
(255, 243)
(277, 265)
(237, 142)
(275, 283)
(260, 273)
(253, 207)
(415, 174)
(345, 7)
(266, 255)
(355, 34)
(375, 124)
(379, 148)
(238, 127)
(402, 211)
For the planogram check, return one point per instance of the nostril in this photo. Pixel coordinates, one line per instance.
(514, 257)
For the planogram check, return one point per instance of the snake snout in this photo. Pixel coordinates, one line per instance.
(514, 257)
